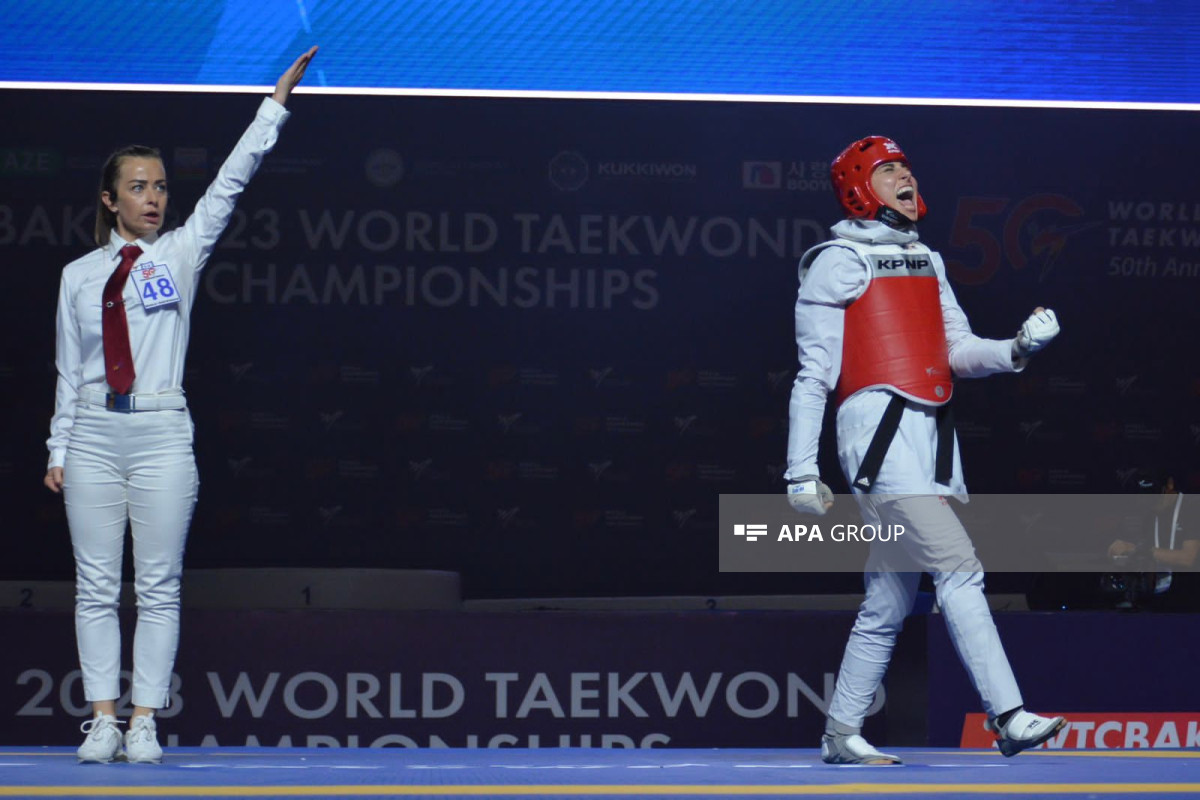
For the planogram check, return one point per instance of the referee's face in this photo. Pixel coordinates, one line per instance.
(141, 201)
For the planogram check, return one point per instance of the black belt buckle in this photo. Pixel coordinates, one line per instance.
(118, 402)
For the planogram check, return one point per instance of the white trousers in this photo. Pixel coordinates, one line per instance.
(138, 469)
(935, 542)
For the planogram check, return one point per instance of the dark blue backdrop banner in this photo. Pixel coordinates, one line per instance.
(534, 340)
(381, 679)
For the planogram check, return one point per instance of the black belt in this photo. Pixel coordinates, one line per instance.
(868, 471)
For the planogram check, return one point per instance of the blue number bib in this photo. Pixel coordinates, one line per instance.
(154, 284)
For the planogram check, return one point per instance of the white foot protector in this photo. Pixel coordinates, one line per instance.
(853, 749)
(1025, 730)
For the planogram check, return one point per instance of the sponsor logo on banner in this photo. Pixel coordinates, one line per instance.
(244, 468)
(1036, 430)
(969, 431)
(445, 422)
(1142, 234)
(384, 168)
(605, 470)
(624, 426)
(762, 174)
(1066, 479)
(1064, 384)
(808, 176)
(1127, 477)
(1129, 386)
(536, 376)
(269, 421)
(508, 517)
(1141, 432)
(504, 470)
(337, 515)
(329, 514)
(337, 421)
(714, 379)
(240, 372)
(1031, 233)
(685, 424)
(268, 517)
(447, 518)
(707, 379)
(455, 167)
(681, 517)
(619, 518)
(646, 170)
(568, 171)
(522, 376)
(362, 376)
(537, 471)
(426, 469)
(419, 374)
(357, 469)
(1104, 731)
(713, 472)
(24, 162)
(430, 377)
(607, 378)
(613, 519)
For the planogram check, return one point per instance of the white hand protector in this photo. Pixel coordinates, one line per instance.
(809, 496)
(1036, 333)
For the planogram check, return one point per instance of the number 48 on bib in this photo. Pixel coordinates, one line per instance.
(155, 285)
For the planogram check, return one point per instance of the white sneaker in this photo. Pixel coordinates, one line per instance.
(1025, 730)
(141, 741)
(853, 749)
(103, 742)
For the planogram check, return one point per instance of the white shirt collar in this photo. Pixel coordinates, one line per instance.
(116, 242)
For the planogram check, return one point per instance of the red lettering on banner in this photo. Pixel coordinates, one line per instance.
(1105, 731)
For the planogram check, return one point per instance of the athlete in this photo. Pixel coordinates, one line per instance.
(877, 324)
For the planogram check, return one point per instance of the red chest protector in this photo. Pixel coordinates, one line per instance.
(895, 337)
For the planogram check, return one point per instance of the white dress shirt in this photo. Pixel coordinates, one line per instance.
(836, 278)
(158, 337)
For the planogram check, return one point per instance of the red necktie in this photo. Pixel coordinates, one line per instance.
(118, 358)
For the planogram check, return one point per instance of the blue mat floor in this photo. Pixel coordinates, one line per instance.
(593, 773)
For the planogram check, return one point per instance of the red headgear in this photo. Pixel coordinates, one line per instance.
(851, 173)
